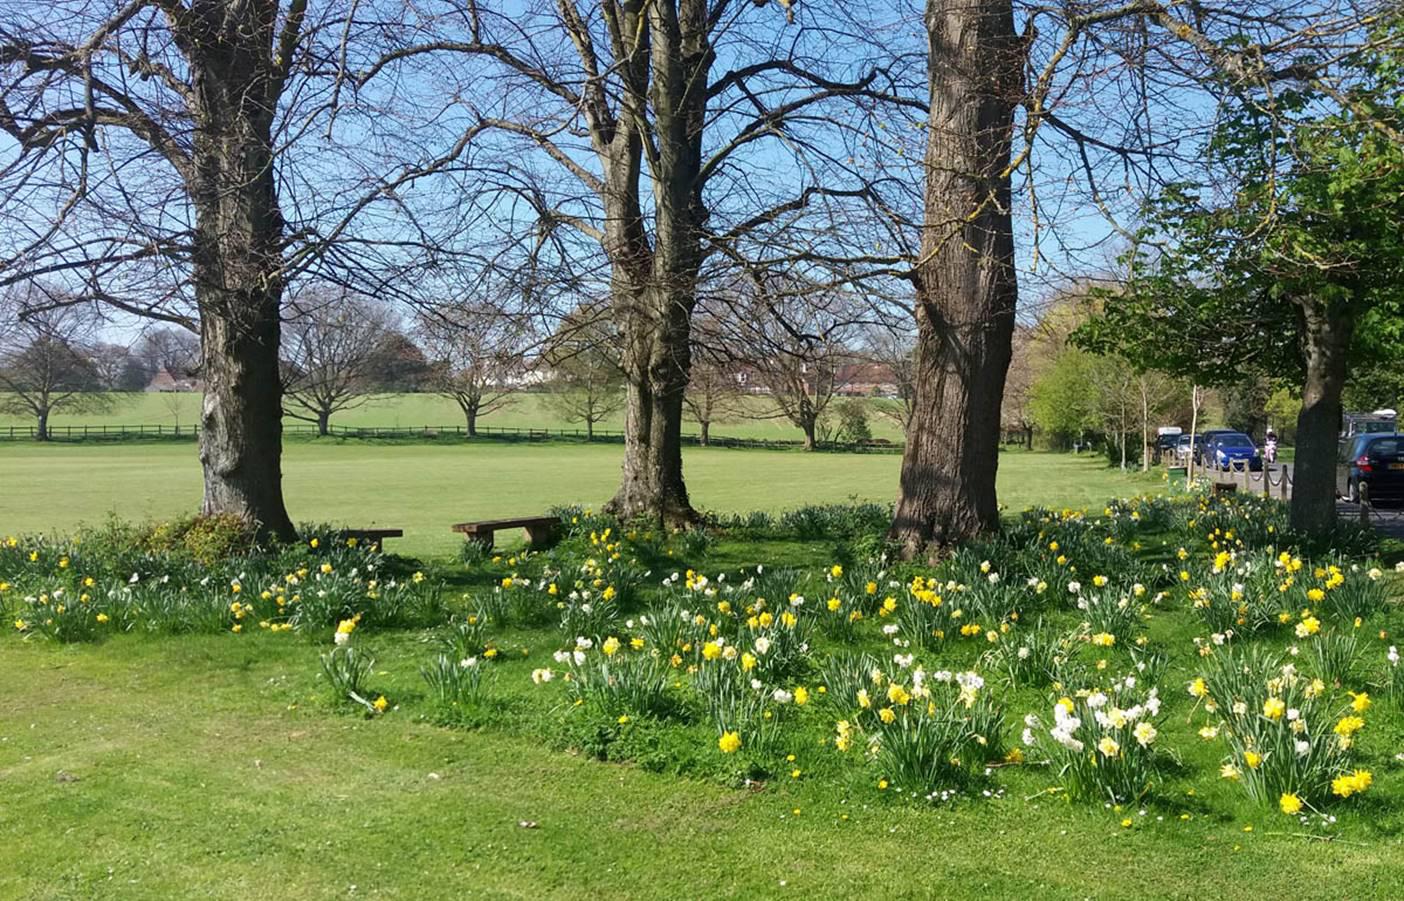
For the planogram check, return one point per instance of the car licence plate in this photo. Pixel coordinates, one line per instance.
(1396, 465)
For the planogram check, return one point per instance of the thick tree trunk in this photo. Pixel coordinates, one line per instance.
(323, 423)
(41, 432)
(811, 438)
(472, 417)
(654, 287)
(652, 483)
(966, 287)
(706, 426)
(1326, 337)
(237, 264)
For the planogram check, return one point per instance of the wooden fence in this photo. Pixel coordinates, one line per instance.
(118, 433)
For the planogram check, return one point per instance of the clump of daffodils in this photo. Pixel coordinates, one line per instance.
(1102, 742)
(1288, 735)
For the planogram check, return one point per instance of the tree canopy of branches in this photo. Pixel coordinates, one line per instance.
(1277, 274)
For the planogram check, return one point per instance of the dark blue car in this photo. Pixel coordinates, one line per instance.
(1232, 450)
(1375, 461)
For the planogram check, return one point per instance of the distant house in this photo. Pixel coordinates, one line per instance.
(163, 382)
(867, 379)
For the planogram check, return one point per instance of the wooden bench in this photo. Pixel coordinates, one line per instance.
(539, 529)
(375, 536)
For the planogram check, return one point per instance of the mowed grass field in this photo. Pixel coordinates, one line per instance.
(209, 766)
(527, 411)
(424, 488)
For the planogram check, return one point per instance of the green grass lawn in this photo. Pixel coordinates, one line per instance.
(215, 765)
(205, 766)
(424, 488)
(418, 410)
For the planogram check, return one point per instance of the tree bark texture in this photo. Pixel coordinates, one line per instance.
(238, 259)
(1326, 337)
(966, 285)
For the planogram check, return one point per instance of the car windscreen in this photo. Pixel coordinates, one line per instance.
(1385, 447)
(1234, 441)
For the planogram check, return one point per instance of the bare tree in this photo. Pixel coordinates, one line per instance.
(893, 350)
(797, 338)
(713, 395)
(46, 364)
(586, 388)
(621, 101)
(477, 358)
(175, 350)
(1018, 383)
(186, 160)
(330, 342)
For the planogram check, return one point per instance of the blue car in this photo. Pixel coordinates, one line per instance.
(1233, 450)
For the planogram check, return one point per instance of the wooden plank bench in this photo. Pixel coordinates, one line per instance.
(539, 529)
(375, 536)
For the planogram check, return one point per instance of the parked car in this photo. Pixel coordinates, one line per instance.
(1165, 445)
(1204, 439)
(1183, 451)
(1375, 461)
(1232, 450)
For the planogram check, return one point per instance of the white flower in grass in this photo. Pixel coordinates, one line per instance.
(1074, 587)
(994, 578)
(1024, 653)
(468, 662)
(1393, 656)
(757, 685)
(1028, 737)
(1065, 738)
(1145, 734)
(902, 660)
(583, 643)
(1302, 747)
(762, 645)
(781, 696)
(579, 657)
(540, 676)
(890, 629)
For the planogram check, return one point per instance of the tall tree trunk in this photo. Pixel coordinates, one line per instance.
(41, 432)
(1145, 428)
(654, 288)
(1326, 337)
(706, 426)
(809, 425)
(965, 280)
(323, 423)
(237, 263)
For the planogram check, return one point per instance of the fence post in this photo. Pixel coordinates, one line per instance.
(1364, 491)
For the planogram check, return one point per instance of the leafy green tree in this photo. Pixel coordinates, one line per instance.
(1060, 403)
(1278, 263)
